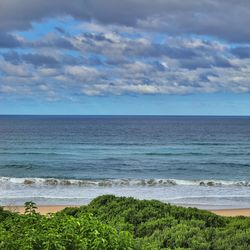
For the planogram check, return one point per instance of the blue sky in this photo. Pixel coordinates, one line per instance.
(130, 57)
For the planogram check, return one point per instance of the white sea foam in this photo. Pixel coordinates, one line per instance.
(121, 182)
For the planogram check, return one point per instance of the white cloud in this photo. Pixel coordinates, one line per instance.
(82, 73)
(14, 70)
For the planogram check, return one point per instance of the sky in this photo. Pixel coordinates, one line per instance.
(90, 57)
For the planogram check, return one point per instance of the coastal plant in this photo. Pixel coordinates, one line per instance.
(30, 207)
(60, 231)
(119, 223)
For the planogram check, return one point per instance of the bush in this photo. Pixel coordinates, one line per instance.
(60, 231)
(110, 222)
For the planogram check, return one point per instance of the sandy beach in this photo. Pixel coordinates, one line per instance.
(41, 209)
(233, 212)
(56, 208)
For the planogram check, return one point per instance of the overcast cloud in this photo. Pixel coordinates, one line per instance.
(96, 47)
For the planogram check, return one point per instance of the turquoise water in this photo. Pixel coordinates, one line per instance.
(194, 161)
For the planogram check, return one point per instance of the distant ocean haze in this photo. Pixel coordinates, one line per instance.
(192, 161)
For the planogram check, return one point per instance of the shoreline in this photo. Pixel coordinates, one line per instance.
(232, 212)
(45, 209)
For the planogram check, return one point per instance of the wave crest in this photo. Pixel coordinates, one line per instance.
(120, 182)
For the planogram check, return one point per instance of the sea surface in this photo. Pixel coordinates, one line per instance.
(190, 161)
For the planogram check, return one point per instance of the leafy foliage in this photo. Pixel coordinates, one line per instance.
(30, 207)
(110, 222)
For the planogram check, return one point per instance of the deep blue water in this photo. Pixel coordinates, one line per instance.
(121, 152)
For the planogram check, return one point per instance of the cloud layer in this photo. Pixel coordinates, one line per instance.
(123, 47)
(225, 19)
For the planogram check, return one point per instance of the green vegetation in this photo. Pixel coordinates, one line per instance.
(110, 222)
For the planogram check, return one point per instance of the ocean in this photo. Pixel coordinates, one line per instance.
(199, 161)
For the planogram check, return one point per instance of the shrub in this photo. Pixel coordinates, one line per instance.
(60, 231)
(110, 222)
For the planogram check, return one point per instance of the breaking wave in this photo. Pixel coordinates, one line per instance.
(120, 182)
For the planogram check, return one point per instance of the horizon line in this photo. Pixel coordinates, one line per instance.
(125, 115)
